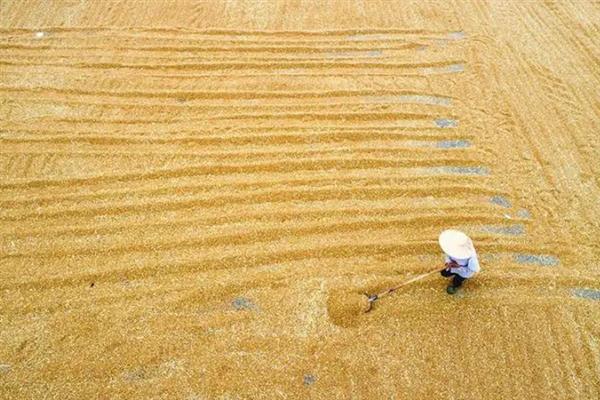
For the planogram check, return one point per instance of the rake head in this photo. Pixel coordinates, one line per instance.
(371, 298)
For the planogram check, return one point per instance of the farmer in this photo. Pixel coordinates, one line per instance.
(461, 258)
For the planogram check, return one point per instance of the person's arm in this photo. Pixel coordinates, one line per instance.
(450, 262)
(446, 270)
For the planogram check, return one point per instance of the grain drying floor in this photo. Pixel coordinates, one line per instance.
(192, 193)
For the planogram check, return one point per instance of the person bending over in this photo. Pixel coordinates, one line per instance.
(461, 258)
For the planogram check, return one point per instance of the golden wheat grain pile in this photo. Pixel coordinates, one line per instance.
(195, 195)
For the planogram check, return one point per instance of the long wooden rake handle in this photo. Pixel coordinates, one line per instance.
(374, 297)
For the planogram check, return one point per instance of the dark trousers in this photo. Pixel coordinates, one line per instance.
(457, 280)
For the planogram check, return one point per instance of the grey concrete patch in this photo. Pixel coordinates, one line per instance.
(309, 379)
(542, 259)
(243, 303)
(451, 144)
(462, 170)
(5, 368)
(584, 293)
(501, 201)
(455, 68)
(456, 35)
(135, 375)
(523, 214)
(518, 229)
(446, 123)
(452, 68)
(411, 98)
(425, 99)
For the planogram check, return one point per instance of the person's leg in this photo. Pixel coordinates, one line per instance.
(458, 280)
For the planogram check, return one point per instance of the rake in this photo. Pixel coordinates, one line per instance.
(372, 298)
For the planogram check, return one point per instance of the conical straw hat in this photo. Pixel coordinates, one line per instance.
(456, 244)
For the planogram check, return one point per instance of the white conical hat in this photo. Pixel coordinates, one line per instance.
(456, 244)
